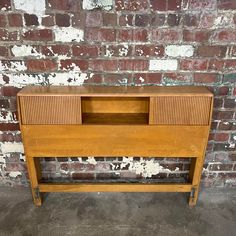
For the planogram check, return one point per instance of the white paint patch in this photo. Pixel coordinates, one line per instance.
(68, 34)
(145, 167)
(13, 66)
(21, 80)
(25, 50)
(9, 147)
(93, 4)
(109, 52)
(225, 20)
(123, 51)
(8, 116)
(31, 7)
(91, 160)
(179, 50)
(141, 79)
(68, 78)
(231, 145)
(14, 174)
(163, 64)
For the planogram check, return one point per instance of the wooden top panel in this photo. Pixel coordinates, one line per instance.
(114, 91)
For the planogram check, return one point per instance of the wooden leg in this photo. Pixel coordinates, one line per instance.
(34, 175)
(195, 177)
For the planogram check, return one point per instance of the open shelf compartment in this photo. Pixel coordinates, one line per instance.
(115, 110)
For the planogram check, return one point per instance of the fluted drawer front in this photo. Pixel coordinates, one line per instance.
(176, 110)
(50, 110)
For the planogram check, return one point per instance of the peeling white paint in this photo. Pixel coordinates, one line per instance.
(9, 147)
(141, 79)
(179, 50)
(139, 51)
(123, 51)
(25, 50)
(167, 64)
(20, 80)
(225, 20)
(146, 168)
(231, 145)
(31, 7)
(14, 174)
(8, 116)
(109, 52)
(68, 34)
(13, 66)
(91, 160)
(93, 4)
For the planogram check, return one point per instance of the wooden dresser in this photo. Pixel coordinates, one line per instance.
(109, 121)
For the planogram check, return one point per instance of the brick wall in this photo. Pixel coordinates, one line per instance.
(119, 42)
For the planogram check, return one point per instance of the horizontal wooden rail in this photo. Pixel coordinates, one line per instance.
(114, 187)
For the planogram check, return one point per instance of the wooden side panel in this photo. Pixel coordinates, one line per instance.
(112, 140)
(115, 105)
(50, 110)
(182, 110)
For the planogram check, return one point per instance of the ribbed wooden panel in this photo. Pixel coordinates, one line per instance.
(50, 110)
(178, 110)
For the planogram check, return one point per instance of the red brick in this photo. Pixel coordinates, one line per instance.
(9, 91)
(39, 35)
(215, 64)
(108, 175)
(147, 78)
(3, 20)
(131, 5)
(173, 5)
(227, 126)
(142, 20)
(5, 4)
(223, 115)
(226, 36)
(34, 65)
(140, 35)
(211, 51)
(103, 65)
(193, 64)
(226, 4)
(31, 19)
(201, 4)
(230, 64)
(96, 34)
(9, 127)
(82, 166)
(15, 166)
(15, 20)
(173, 19)
(221, 137)
(234, 91)
(126, 20)
(93, 19)
(157, 19)
(229, 103)
(67, 5)
(186, 77)
(69, 64)
(221, 91)
(86, 51)
(166, 35)
(55, 50)
(158, 5)
(4, 103)
(207, 19)
(109, 19)
(232, 157)
(62, 20)
(6, 35)
(78, 19)
(191, 20)
(133, 65)
(117, 78)
(48, 20)
(206, 78)
(117, 50)
(3, 51)
(218, 103)
(83, 176)
(196, 36)
(94, 79)
(149, 50)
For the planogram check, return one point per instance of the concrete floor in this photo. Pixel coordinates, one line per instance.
(117, 214)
